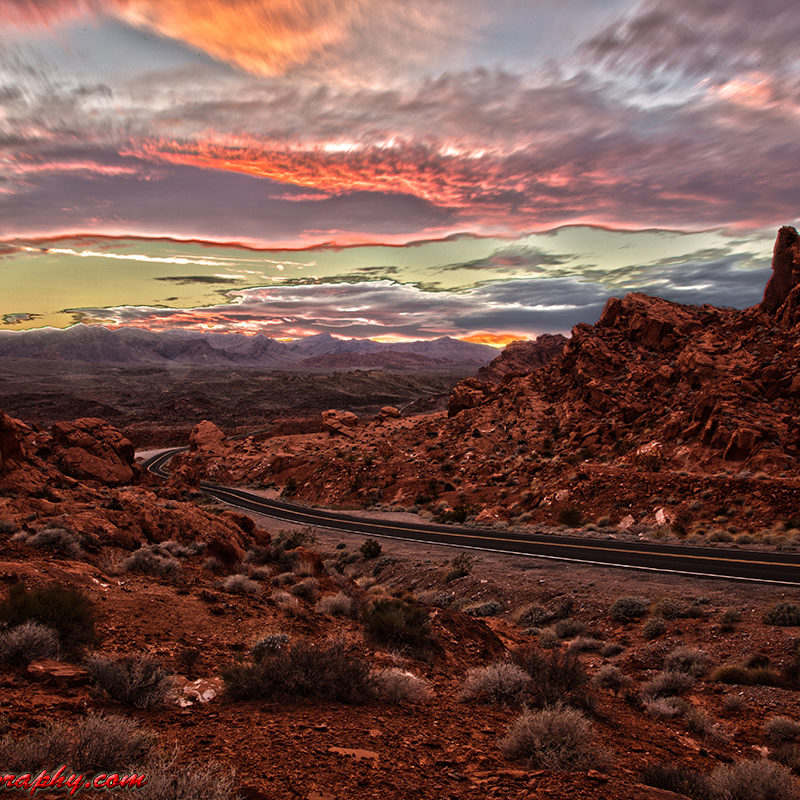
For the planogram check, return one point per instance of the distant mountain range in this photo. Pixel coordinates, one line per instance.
(137, 346)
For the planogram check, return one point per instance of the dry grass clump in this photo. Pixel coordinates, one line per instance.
(90, 744)
(319, 671)
(138, 681)
(154, 561)
(393, 621)
(167, 780)
(653, 628)
(781, 730)
(611, 678)
(500, 683)
(627, 609)
(57, 540)
(681, 781)
(783, 614)
(307, 589)
(557, 676)
(585, 644)
(754, 780)
(240, 584)
(667, 684)
(688, 660)
(553, 738)
(335, 605)
(397, 685)
(285, 602)
(27, 642)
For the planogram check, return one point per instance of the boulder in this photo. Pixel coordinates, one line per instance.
(339, 423)
(58, 672)
(91, 449)
(468, 394)
(523, 356)
(208, 439)
(389, 412)
(11, 449)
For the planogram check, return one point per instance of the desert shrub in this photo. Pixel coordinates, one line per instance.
(701, 723)
(670, 608)
(393, 621)
(499, 683)
(585, 644)
(168, 780)
(67, 611)
(746, 676)
(320, 671)
(687, 659)
(732, 703)
(308, 589)
(371, 549)
(679, 780)
(261, 573)
(89, 745)
(665, 707)
(335, 605)
(460, 567)
(283, 579)
(557, 676)
(533, 615)
(571, 517)
(611, 678)
(7, 526)
(150, 560)
(566, 628)
(240, 584)
(268, 644)
(611, 649)
(653, 628)
(213, 564)
(667, 684)
(489, 608)
(788, 754)
(258, 555)
(731, 616)
(57, 540)
(753, 780)
(554, 738)
(27, 642)
(626, 609)
(783, 614)
(137, 681)
(285, 602)
(781, 730)
(398, 685)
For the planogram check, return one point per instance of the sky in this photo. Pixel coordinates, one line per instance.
(392, 169)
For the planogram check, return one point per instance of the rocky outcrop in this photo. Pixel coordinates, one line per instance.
(785, 270)
(339, 423)
(522, 357)
(468, 394)
(208, 439)
(91, 449)
(11, 449)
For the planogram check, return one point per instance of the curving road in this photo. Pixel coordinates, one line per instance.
(729, 563)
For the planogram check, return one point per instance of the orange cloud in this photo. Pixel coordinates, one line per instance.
(498, 340)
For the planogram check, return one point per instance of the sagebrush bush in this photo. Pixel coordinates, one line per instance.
(57, 540)
(489, 608)
(499, 683)
(556, 676)
(687, 659)
(460, 567)
(746, 676)
(27, 642)
(701, 723)
(258, 555)
(667, 684)
(67, 611)
(398, 685)
(627, 609)
(151, 560)
(611, 678)
(283, 579)
(585, 644)
(89, 745)
(679, 780)
(371, 549)
(754, 780)
(335, 605)
(241, 584)
(285, 602)
(320, 671)
(554, 738)
(308, 589)
(268, 644)
(533, 615)
(783, 614)
(168, 780)
(665, 707)
(670, 608)
(567, 628)
(653, 628)
(781, 730)
(138, 681)
(393, 621)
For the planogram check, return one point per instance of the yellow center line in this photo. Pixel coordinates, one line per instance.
(517, 541)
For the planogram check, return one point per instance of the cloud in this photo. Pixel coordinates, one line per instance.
(269, 37)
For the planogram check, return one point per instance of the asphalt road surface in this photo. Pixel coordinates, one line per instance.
(708, 562)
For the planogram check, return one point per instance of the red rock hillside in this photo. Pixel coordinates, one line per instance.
(658, 413)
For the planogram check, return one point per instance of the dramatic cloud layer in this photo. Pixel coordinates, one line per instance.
(294, 122)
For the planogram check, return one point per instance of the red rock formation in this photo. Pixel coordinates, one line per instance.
(523, 356)
(92, 449)
(785, 270)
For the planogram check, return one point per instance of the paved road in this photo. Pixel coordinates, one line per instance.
(730, 563)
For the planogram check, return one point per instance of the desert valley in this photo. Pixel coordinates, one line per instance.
(150, 629)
